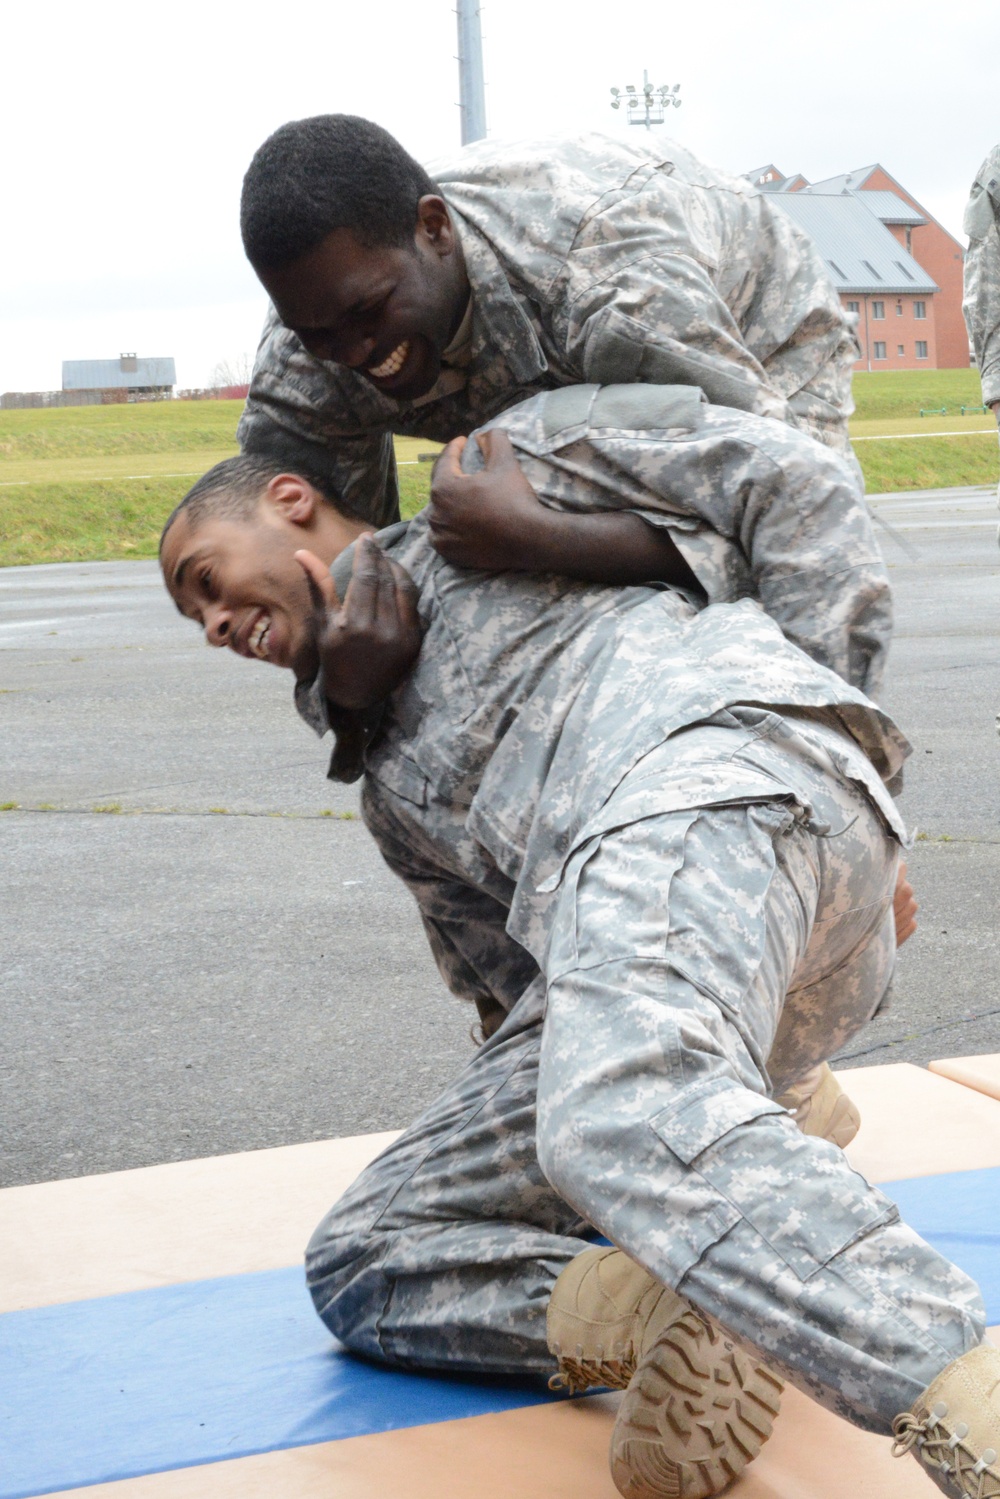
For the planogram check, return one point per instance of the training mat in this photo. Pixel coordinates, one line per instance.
(981, 1073)
(914, 1123)
(216, 1230)
(204, 1371)
(193, 1373)
(92, 1236)
(548, 1452)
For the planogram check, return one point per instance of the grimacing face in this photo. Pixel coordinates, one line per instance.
(240, 582)
(387, 311)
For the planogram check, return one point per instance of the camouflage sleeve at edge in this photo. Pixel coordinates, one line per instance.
(981, 301)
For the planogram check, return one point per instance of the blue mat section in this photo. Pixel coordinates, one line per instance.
(112, 1388)
(960, 1215)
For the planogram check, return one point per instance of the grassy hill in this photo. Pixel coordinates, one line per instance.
(91, 483)
(901, 393)
(95, 483)
(103, 431)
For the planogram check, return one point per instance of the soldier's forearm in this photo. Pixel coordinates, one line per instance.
(609, 547)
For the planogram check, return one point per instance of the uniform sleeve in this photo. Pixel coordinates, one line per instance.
(465, 923)
(816, 566)
(981, 301)
(756, 509)
(712, 284)
(300, 412)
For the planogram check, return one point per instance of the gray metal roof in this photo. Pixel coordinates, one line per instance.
(889, 207)
(770, 171)
(846, 181)
(109, 374)
(858, 250)
(776, 182)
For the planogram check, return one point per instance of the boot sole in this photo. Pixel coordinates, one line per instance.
(697, 1411)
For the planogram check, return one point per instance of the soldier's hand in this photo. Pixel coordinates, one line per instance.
(492, 520)
(368, 643)
(904, 907)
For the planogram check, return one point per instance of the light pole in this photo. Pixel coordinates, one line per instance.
(471, 90)
(648, 106)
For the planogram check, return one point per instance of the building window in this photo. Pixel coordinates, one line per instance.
(899, 309)
(920, 309)
(921, 348)
(900, 349)
(854, 306)
(879, 351)
(878, 309)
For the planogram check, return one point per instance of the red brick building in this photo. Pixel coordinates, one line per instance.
(893, 264)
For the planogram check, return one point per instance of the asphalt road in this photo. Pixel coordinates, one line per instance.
(201, 949)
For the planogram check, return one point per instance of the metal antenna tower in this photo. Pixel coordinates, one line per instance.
(471, 90)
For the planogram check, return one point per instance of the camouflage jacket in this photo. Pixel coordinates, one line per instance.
(981, 302)
(589, 260)
(533, 696)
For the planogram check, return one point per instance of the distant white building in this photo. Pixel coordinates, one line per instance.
(101, 382)
(149, 378)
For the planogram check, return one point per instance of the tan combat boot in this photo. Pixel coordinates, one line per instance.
(819, 1106)
(698, 1407)
(954, 1428)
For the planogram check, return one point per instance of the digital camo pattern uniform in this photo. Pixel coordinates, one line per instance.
(757, 509)
(644, 839)
(981, 303)
(589, 260)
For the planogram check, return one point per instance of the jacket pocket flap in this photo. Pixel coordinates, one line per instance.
(709, 1110)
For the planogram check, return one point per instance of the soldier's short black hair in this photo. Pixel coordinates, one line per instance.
(232, 490)
(328, 172)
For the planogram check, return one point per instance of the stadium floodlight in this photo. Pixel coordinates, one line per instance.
(646, 107)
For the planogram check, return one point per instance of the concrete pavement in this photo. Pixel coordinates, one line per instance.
(202, 950)
(944, 687)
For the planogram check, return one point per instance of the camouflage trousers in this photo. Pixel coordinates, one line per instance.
(701, 958)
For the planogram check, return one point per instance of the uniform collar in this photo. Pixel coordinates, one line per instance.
(500, 324)
(459, 351)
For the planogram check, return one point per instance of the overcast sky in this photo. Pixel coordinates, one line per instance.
(126, 129)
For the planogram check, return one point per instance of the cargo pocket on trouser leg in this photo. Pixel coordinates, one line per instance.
(617, 906)
(797, 1193)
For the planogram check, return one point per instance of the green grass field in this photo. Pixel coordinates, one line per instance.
(903, 392)
(104, 431)
(95, 483)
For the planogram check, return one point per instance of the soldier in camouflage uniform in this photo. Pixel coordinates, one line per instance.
(563, 261)
(592, 259)
(653, 841)
(981, 303)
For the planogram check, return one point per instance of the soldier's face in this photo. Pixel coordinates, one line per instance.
(387, 311)
(240, 582)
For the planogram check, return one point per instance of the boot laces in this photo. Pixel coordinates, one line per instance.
(937, 1449)
(579, 1374)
